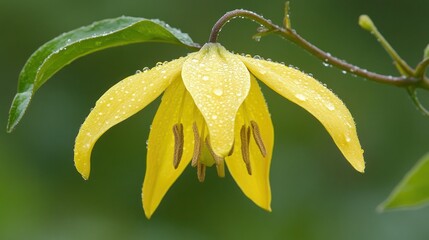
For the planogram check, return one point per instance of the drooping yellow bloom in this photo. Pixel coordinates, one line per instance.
(213, 112)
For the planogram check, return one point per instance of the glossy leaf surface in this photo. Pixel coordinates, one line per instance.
(62, 50)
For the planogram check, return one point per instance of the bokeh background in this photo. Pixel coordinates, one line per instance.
(316, 194)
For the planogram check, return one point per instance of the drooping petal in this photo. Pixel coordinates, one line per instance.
(218, 82)
(316, 99)
(255, 186)
(176, 106)
(120, 102)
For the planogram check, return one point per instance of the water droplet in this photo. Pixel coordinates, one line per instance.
(256, 38)
(330, 106)
(326, 64)
(257, 57)
(214, 117)
(348, 139)
(218, 92)
(301, 97)
(159, 64)
(262, 29)
(138, 71)
(344, 72)
(205, 78)
(145, 69)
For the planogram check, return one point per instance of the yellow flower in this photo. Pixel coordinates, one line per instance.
(213, 112)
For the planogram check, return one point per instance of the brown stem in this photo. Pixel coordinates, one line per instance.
(292, 35)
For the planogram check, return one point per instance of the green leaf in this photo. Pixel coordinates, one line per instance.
(62, 50)
(413, 190)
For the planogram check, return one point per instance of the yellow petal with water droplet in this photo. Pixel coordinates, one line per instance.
(160, 173)
(316, 99)
(120, 102)
(255, 186)
(218, 82)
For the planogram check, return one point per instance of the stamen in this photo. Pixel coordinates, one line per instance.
(197, 145)
(258, 138)
(218, 159)
(201, 171)
(178, 144)
(245, 140)
(220, 168)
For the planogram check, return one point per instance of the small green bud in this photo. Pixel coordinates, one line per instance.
(366, 23)
(286, 19)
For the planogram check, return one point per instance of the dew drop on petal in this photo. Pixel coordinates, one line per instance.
(214, 117)
(205, 78)
(348, 139)
(218, 92)
(301, 97)
(257, 57)
(330, 106)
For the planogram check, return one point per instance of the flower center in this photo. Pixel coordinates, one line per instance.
(204, 155)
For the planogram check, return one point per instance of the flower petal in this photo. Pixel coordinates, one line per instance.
(120, 102)
(176, 105)
(316, 99)
(257, 185)
(218, 82)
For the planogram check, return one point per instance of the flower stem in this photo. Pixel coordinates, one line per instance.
(411, 77)
(233, 14)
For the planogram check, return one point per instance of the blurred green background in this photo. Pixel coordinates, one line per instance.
(316, 194)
